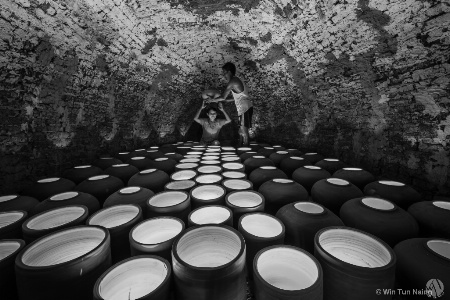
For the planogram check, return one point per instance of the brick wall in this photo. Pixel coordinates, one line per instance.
(365, 81)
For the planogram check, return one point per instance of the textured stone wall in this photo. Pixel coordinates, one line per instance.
(364, 80)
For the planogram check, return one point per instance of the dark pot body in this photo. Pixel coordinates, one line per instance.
(278, 193)
(333, 196)
(433, 220)
(80, 173)
(66, 199)
(301, 227)
(153, 180)
(392, 226)
(403, 196)
(308, 177)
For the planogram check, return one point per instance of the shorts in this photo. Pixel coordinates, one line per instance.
(246, 118)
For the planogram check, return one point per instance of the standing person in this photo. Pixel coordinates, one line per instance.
(241, 98)
(211, 126)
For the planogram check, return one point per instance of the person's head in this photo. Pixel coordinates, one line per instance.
(229, 70)
(212, 113)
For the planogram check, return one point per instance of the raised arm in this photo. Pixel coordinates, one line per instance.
(224, 95)
(227, 117)
(197, 115)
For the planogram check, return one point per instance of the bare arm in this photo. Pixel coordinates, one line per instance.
(224, 95)
(227, 117)
(196, 118)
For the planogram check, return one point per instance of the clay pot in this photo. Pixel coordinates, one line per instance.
(279, 147)
(53, 220)
(175, 204)
(333, 193)
(294, 152)
(130, 195)
(17, 202)
(106, 162)
(227, 148)
(290, 164)
(138, 152)
(207, 194)
(101, 187)
(210, 162)
(424, 264)
(242, 150)
(183, 150)
(64, 264)
(196, 153)
(154, 154)
(267, 151)
(202, 170)
(232, 185)
(8, 252)
(357, 176)
(189, 160)
(354, 263)
(209, 263)
(432, 217)
(123, 156)
(233, 166)
(401, 194)
(230, 158)
(382, 218)
(181, 185)
(259, 230)
(247, 155)
(255, 146)
(287, 273)
(164, 164)
(243, 202)
(79, 173)
(47, 187)
(279, 192)
(155, 236)
(234, 175)
(211, 214)
(67, 199)
(152, 179)
(141, 162)
(208, 179)
(313, 157)
(303, 220)
(118, 220)
(183, 175)
(175, 156)
(145, 277)
(264, 174)
(255, 162)
(209, 156)
(122, 171)
(331, 164)
(186, 166)
(307, 176)
(167, 148)
(11, 224)
(278, 156)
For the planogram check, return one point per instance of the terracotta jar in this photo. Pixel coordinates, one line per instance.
(401, 194)
(101, 187)
(122, 171)
(307, 176)
(118, 220)
(370, 266)
(278, 156)
(66, 199)
(279, 192)
(333, 193)
(106, 162)
(357, 176)
(175, 204)
(287, 273)
(331, 164)
(432, 217)
(303, 220)
(255, 162)
(290, 164)
(17, 202)
(145, 277)
(152, 179)
(242, 202)
(44, 188)
(313, 157)
(9, 249)
(48, 267)
(211, 214)
(79, 173)
(130, 195)
(382, 218)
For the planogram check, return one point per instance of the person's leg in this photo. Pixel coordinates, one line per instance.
(246, 122)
